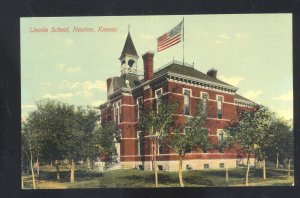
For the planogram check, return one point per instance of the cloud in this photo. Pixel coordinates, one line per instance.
(77, 89)
(222, 39)
(224, 36)
(285, 97)
(241, 36)
(58, 96)
(96, 103)
(65, 84)
(146, 36)
(83, 93)
(73, 69)
(202, 34)
(218, 42)
(29, 106)
(286, 113)
(46, 83)
(68, 69)
(69, 42)
(120, 36)
(24, 117)
(232, 80)
(88, 85)
(252, 95)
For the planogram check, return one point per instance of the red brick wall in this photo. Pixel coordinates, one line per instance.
(174, 91)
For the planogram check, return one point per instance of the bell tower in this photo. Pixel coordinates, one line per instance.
(128, 57)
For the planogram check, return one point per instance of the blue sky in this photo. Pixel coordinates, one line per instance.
(250, 51)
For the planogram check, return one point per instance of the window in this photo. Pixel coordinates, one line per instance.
(204, 97)
(220, 134)
(204, 150)
(160, 148)
(158, 95)
(185, 129)
(221, 165)
(117, 112)
(206, 166)
(220, 101)
(186, 106)
(189, 167)
(139, 103)
(160, 167)
(139, 148)
(221, 137)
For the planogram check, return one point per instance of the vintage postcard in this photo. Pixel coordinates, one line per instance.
(157, 101)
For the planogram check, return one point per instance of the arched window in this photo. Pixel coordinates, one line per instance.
(186, 105)
(131, 62)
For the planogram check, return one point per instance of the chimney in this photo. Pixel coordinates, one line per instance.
(148, 65)
(212, 73)
(108, 83)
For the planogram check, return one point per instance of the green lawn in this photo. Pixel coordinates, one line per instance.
(139, 179)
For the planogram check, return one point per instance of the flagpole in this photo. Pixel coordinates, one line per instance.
(183, 42)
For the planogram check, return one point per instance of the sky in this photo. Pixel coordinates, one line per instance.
(250, 51)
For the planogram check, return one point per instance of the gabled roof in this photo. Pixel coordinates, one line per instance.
(128, 47)
(188, 71)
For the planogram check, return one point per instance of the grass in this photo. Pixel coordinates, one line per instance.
(144, 179)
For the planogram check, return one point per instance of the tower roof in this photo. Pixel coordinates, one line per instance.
(128, 47)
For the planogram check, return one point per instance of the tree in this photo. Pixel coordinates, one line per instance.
(288, 148)
(79, 124)
(62, 130)
(156, 122)
(279, 130)
(195, 136)
(225, 143)
(30, 143)
(87, 119)
(250, 132)
(104, 140)
(50, 122)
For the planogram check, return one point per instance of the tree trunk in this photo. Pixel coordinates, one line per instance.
(264, 169)
(32, 169)
(227, 177)
(289, 169)
(88, 164)
(155, 165)
(22, 182)
(57, 172)
(37, 166)
(248, 168)
(72, 174)
(277, 160)
(92, 164)
(180, 171)
(32, 173)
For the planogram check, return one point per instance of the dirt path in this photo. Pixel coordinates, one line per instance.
(42, 184)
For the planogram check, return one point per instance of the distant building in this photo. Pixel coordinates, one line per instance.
(127, 93)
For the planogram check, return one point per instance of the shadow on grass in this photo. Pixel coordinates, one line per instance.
(80, 175)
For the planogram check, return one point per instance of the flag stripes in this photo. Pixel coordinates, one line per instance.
(169, 43)
(170, 38)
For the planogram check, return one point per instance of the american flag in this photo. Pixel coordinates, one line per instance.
(170, 38)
